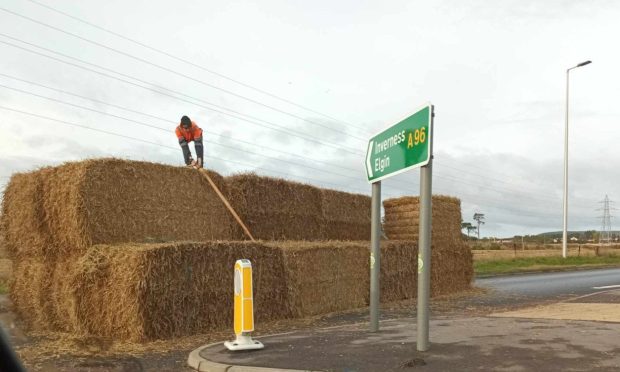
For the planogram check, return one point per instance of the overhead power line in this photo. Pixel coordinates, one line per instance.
(68, 123)
(485, 200)
(123, 108)
(540, 198)
(170, 55)
(245, 151)
(236, 115)
(163, 67)
(167, 130)
(174, 72)
(288, 132)
(99, 67)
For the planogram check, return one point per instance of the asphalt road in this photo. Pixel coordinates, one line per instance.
(549, 285)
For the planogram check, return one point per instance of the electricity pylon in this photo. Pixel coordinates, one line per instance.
(605, 236)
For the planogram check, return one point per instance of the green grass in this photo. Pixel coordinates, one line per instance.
(4, 287)
(516, 265)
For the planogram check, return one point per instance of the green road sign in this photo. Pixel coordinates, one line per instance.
(404, 146)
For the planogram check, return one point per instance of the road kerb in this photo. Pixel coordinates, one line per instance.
(201, 364)
(197, 362)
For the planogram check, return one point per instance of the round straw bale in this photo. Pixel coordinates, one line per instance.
(405, 200)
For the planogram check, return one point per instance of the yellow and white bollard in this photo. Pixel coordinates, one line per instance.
(244, 309)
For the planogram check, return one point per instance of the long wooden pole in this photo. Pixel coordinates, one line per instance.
(226, 203)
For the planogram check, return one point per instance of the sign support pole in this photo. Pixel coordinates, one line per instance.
(375, 256)
(424, 250)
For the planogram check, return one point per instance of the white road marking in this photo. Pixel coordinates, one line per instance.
(607, 287)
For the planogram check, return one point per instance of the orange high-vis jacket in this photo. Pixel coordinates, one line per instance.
(190, 134)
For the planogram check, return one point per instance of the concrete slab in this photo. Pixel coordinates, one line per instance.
(600, 306)
(464, 344)
(568, 311)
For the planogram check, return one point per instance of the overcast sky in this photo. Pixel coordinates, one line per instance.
(295, 89)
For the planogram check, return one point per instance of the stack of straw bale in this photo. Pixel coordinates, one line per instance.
(143, 292)
(140, 251)
(451, 259)
(77, 205)
(53, 216)
(154, 291)
(402, 218)
(74, 206)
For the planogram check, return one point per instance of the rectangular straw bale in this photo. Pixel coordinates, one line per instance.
(346, 216)
(29, 292)
(324, 277)
(154, 291)
(452, 267)
(129, 201)
(20, 287)
(23, 217)
(398, 270)
(73, 206)
(276, 209)
(64, 209)
(61, 306)
(35, 294)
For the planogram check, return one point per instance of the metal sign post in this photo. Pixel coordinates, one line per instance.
(375, 256)
(424, 251)
(404, 146)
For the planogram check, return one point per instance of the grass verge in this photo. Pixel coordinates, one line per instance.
(516, 265)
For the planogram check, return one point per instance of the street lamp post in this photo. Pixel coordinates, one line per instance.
(564, 231)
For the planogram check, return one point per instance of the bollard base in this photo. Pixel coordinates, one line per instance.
(243, 342)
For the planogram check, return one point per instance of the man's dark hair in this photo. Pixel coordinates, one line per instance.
(186, 122)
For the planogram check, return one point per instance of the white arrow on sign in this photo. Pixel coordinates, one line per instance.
(368, 167)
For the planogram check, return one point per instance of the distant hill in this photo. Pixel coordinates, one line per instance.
(558, 234)
(549, 236)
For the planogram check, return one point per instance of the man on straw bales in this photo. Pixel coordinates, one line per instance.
(187, 131)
